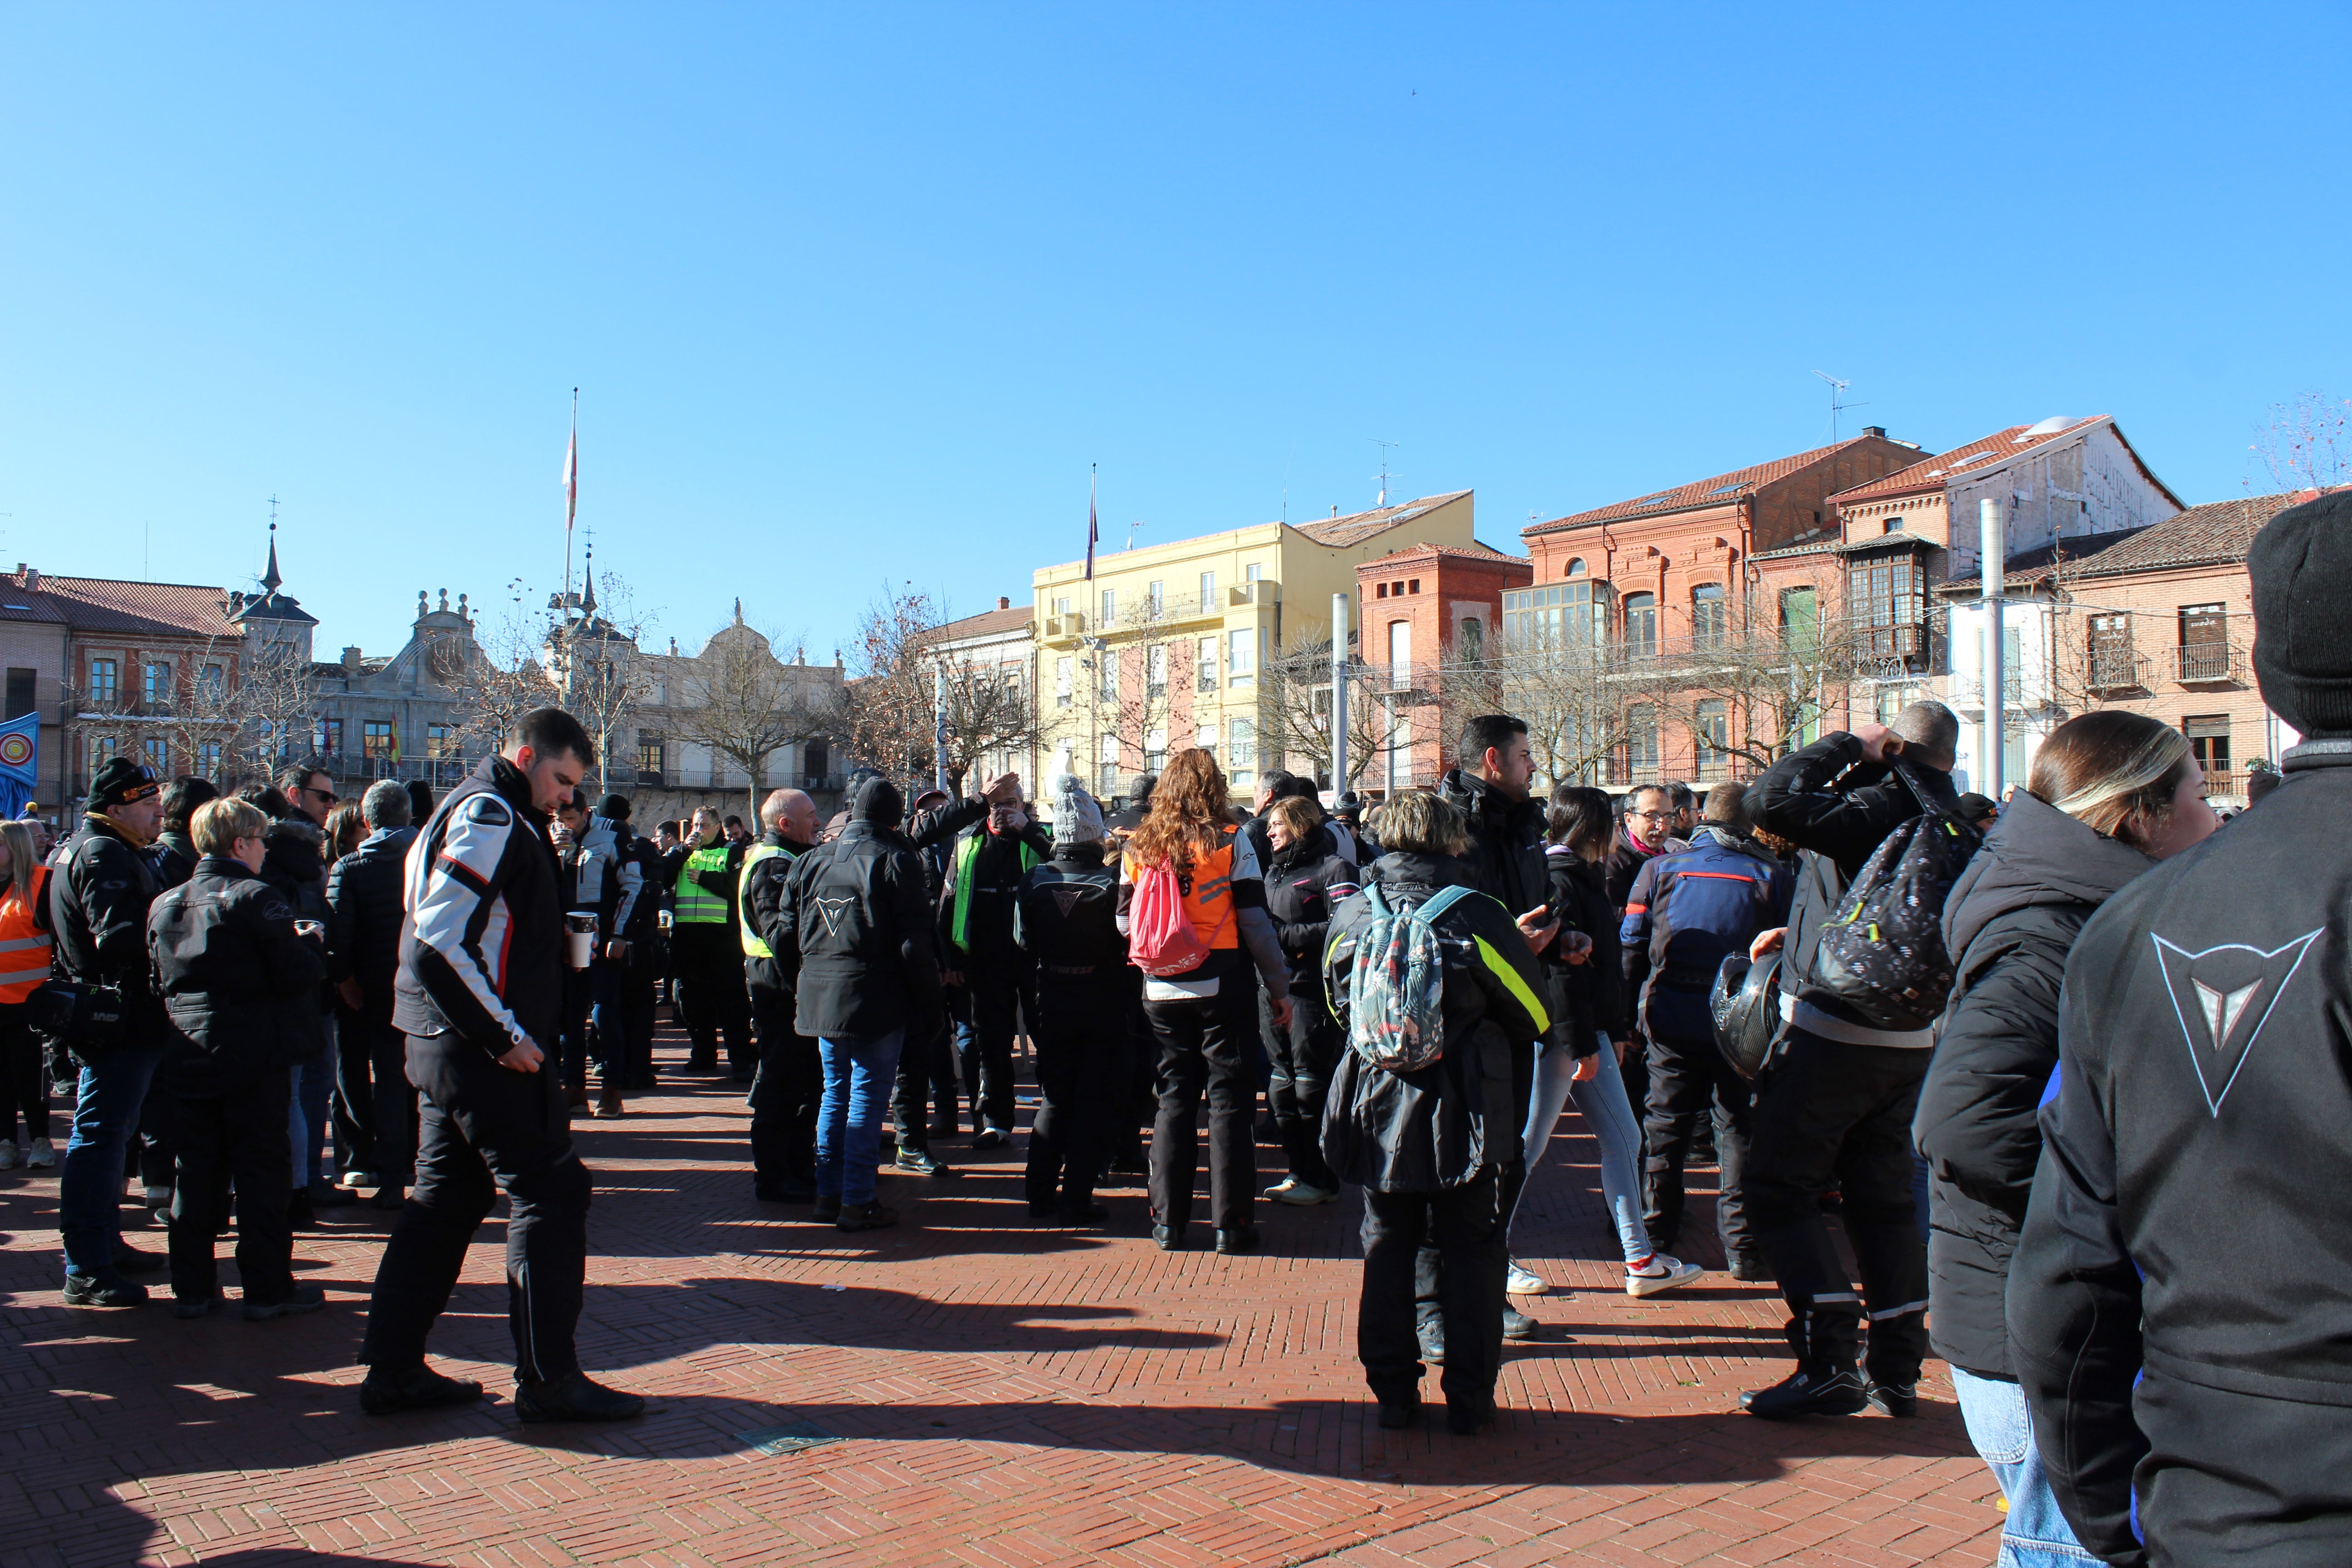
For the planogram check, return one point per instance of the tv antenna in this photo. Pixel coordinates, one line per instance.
(1386, 448)
(1131, 532)
(1837, 391)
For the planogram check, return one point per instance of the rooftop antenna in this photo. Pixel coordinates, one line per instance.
(1837, 391)
(1386, 448)
(1131, 532)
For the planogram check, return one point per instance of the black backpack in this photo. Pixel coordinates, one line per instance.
(1881, 952)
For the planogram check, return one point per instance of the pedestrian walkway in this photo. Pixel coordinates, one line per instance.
(1001, 1396)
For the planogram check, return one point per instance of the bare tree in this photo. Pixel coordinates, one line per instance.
(270, 707)
(2307, 444)
(745, 704)
(1747, 695)
(495, 681)
(985, 711)
(1295, 702)
(598, 669)
(1576, 697)
(887, 717)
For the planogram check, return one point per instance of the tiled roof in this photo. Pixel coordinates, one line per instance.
(107, 605)
(1357, 527)
(276, 607)
(18, 602)
(1473, 551)
(2216, 534)
(1934, 473)
(1721, 491)
(988, 623)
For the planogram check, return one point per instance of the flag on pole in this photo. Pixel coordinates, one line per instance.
(1093, 531)
(572, 473)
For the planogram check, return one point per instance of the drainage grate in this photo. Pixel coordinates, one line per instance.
(790, 1438)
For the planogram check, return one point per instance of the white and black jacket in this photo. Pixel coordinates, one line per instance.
(481, 940)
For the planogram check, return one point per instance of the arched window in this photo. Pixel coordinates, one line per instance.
(1575, 567)
(1640, 622)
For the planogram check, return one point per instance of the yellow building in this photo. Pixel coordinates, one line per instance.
(1168, 647)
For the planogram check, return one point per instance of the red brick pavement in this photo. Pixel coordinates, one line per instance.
(1011, 1398)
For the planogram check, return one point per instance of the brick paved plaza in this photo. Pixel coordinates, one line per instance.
(1003, 1396)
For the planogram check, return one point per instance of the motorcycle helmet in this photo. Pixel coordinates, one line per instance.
(1745, 1003)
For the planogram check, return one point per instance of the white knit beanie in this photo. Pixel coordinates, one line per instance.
(1077, 818)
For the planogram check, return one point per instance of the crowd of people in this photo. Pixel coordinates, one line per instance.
(2008, 1052)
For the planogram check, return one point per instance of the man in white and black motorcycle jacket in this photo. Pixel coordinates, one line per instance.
(2180, 1300)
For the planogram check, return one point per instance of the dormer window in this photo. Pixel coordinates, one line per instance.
(1894, 525)
(1575, 568)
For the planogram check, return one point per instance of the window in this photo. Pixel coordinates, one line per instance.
(212, 683)
(2012, 666)
(1400, 655)
(1207, 650)
(101, 752)
(209, 755)
(1709, 615)
(1800, 620)
(1106, 763)
(1062, 682)
(817, 758)
(2208, 743)
(1241, 653)
(1242, 747)
(438, 743)
(1110, 607)
(104, 682)
(1575, 567)
(155, 689)
(1473, 640)
(1641, 623)
(1107, 666)
(1379, 590)
(1889, 600)
(1565, 615)
(1894, 525)
(2204, 642)
(1155, 751)
(1061, 607)
(1713, 733)
(652, 755)
(1156, 596)
(158, 758)
(327, 737)
(1208, 590)
(377, 740)
(1155, 670)
(22, 684)
(2112, 662)
(1640, 743)
(1254, 572)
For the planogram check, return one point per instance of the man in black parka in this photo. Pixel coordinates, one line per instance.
(2179, 1307)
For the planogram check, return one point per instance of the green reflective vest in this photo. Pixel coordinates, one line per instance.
(967, 852)
(696, 904)
(754, 946)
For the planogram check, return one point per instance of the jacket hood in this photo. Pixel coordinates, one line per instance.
(1317, 846)
(1411, 868)
(878, 802)
(294, 845)
(2035, 854)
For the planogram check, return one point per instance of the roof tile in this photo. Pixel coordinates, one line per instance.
(1722, 490)
(1357, 527)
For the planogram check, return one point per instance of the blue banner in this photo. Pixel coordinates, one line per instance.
(20, 762)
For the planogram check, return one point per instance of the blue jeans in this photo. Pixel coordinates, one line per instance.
(306, 1120)
(89, 1184)
(1609, 1115)
(2035, 1534)
(857, 1078)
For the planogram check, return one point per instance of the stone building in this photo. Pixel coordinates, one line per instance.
(402, 716)
(678, 768)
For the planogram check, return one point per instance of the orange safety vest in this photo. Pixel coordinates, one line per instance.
(24, 946)
(1208, 893)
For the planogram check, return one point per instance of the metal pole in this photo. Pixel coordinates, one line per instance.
(1338, 695)
(1996, 558)
(939, 723)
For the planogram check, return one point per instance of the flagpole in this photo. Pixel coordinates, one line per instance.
(571, 506)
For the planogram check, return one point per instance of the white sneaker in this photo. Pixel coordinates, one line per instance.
(360, 1181)
(1661, 1273)
(8, 1154)
(1303, 1194)
(1523, 1280)
(44, 1154)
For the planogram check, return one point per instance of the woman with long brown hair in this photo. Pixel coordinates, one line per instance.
(1204, 1019)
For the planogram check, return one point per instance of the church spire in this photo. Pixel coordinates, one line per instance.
(270, 579)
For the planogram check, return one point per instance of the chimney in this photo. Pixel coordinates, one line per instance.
(31, 574)
(1003, 603)
(352, 656)
(1877, 430)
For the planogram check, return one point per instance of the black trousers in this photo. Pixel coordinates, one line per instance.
(391, 1099)
(1206, 1047)
(241, 1136)
(485, 1127)
(1828, 1114)
(1001, 998)
(24, 1077)
(579, 995)
(1633, 1072)
(711, 1000)
(786, 1092)
(1083, 1067)
(1304, 1055)
(1463, 1228)
(925, 1068)
(147, 1155)
(352, 1108)
(1688, 1078)
(630, 1051)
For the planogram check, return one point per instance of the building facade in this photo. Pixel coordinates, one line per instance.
(1200, 642)
(993, 661)
(681, 764)
(1433, 617)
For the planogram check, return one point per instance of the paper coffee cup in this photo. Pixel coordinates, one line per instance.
(579, 939)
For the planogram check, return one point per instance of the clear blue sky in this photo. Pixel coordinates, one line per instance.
(856, 293)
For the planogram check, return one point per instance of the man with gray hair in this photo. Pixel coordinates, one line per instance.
(1834, 1108)
(375, 1107)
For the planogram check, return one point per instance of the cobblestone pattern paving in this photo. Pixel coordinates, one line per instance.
(1008, 1397)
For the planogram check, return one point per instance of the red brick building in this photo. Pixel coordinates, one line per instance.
(1427, 609)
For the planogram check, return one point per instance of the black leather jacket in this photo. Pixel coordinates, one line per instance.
(240, 986)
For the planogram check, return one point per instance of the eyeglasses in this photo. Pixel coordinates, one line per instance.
(1650, 816)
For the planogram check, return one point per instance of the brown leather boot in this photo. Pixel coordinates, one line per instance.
(575, 1095)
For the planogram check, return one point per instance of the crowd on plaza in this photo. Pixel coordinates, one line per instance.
(2009, 1049)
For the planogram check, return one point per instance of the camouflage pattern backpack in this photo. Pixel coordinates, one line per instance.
(1396, 990)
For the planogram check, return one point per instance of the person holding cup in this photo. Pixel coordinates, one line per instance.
(239, 978)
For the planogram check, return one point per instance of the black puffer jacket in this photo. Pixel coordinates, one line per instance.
(2011, 919)
(363, 915)
(98, 909)
(1438, 1127)
(1592, 994)
(859, 911)
(1305, 882)
(1828, 800)
(294, 864)
(1505, 859)
(1068, 922)
(240, 986)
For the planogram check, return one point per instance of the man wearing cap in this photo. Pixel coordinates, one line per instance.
(790, 1076)
(975, 910)
(2177, 1299)
(98, 909)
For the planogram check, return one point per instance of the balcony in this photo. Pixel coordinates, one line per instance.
(2115, 670)
(439, 772)
(1064, 628)
(2204, 664)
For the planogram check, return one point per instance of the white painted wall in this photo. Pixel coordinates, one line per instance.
(2085, 483)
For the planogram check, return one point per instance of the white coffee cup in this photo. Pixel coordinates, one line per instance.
(579, 939)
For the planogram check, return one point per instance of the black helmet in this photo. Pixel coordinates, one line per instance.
(1746, 1011)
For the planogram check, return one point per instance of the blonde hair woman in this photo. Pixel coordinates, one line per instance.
(24, 965)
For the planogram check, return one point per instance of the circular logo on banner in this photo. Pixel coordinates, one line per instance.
(16, 750)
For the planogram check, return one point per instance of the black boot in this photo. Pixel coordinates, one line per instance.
(1808, 1391)
(418, 1387)
(575, 1396)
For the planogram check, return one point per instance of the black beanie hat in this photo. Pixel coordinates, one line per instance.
(2301, 564)
(879, 800)
(614, 808)
(120, 781)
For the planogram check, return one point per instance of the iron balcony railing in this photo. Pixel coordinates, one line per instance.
(2201, 662)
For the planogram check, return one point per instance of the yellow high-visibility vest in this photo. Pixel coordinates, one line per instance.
(696, 904)
(754, 945)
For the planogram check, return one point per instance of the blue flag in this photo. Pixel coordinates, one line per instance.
(20, 762)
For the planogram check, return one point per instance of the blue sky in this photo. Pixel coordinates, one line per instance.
(854, 295)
